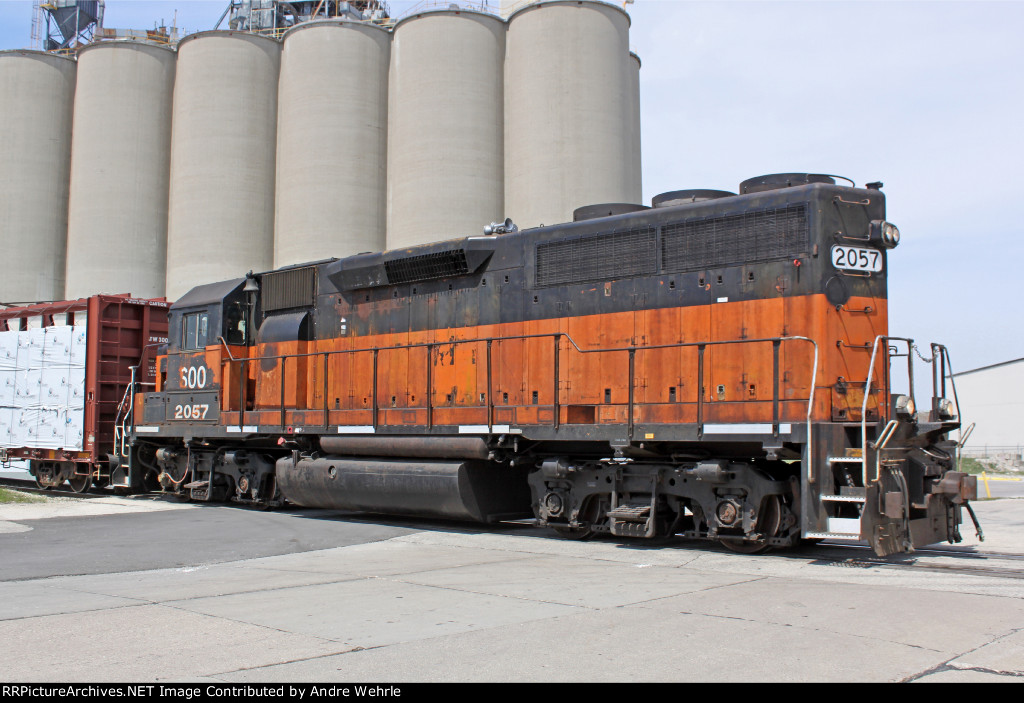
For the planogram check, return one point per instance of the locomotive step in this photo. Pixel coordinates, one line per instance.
(844, 526)
(832, 535)
(630, 513)
(843, 499)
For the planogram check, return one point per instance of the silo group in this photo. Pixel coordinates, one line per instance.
(169, 169)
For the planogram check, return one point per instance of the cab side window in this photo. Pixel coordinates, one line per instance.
(195, 332)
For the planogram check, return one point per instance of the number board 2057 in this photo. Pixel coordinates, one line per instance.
(192, 407)
(856, 258)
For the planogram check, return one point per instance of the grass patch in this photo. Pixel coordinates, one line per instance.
(9, 496)
(971, 465)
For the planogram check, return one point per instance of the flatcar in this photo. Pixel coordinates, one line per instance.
(718, 366)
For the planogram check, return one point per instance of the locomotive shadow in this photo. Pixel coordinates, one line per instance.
(860, 555)
(519, 528)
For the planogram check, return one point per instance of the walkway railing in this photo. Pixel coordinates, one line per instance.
(630, 352)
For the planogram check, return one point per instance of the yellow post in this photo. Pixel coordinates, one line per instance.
(988, 493)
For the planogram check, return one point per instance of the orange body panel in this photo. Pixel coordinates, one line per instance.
(593, 386)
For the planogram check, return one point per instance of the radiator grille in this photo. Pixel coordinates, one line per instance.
(292, 288)
(597, 257)
(425, 267)
(752, 237)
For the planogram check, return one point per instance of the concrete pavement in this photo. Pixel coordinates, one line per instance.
(445, 603)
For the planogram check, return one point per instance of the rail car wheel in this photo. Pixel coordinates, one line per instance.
(79, 483)
(768, 522)
(48, 478)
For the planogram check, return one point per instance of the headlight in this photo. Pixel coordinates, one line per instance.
(946, 411)
(890, 234)
(905, 407)
(885, 233)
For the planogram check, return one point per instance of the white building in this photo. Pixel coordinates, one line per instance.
(992, 397)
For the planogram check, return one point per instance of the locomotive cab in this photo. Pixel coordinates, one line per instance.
(205, 326)
(208, 327)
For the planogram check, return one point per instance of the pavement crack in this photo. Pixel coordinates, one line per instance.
(809, 628)
(251, 624)
(139, 603)
(150, 601)
(687, 593)
(299, 660)
(998, 672)
(486, 593)
(950, 664)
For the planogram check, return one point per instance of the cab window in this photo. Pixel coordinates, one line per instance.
(196, 326)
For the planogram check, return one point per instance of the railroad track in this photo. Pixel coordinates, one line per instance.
(29, 486)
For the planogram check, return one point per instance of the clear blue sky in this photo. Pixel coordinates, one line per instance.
(925, 96)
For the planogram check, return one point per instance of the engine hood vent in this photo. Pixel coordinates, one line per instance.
(592, 212)
(774, 181)
(685, 197)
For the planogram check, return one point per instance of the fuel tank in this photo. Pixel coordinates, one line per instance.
(476, 491)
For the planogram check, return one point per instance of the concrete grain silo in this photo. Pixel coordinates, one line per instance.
(120, 170)
(633, 132)
(37, 93)
(223, 143)
(445, 133)
(568, 112)
(331, 141)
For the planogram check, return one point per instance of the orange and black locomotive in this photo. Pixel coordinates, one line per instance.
(716, 366)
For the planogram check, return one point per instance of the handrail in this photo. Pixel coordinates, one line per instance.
(867, 394)
(121, 422)
(881, 443)
(478, 340)
(940, 355)
(225, 345)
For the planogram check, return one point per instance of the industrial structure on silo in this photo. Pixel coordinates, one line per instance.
(331, 141)
(60, 25)
(568, 110)
(120, 170)
(37, 91)
(273, 17)
(445, 126)
(223, 143)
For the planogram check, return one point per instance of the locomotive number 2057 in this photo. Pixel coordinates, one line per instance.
(191, 412)
(193, 377)
(856, 258)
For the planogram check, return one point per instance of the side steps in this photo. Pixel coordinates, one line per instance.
(843, 528)
(634, 519)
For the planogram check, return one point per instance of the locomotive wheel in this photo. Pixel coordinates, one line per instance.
(587, 515)
(574, 533)
(80, 484)
(768, 523)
